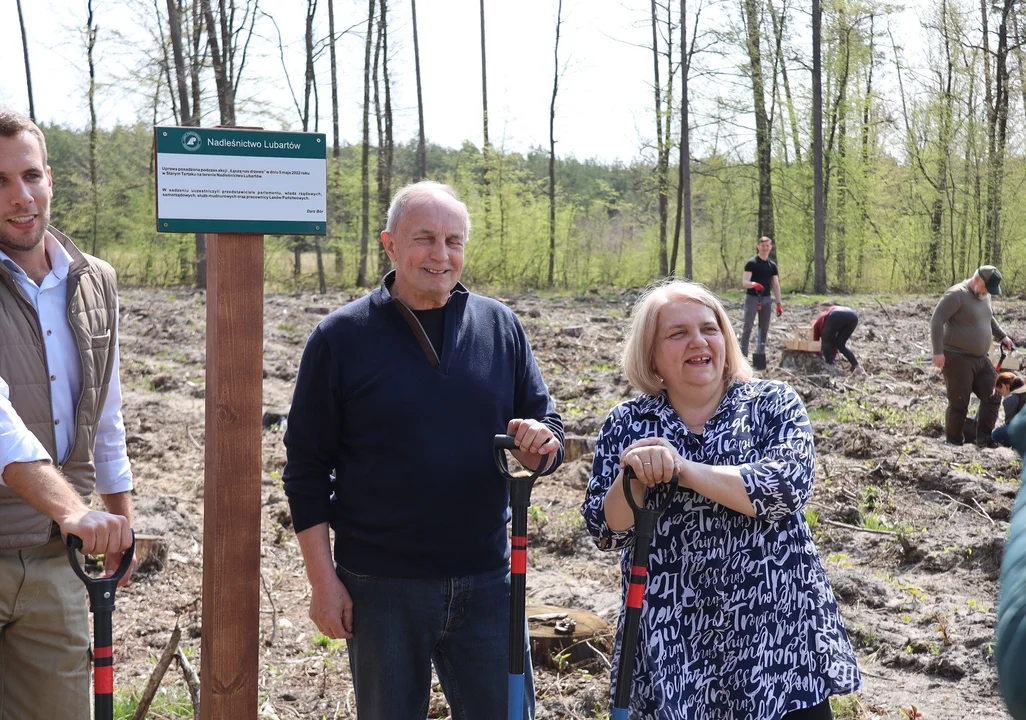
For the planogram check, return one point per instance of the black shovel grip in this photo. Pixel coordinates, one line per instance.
(519, 487)
(644, 517)
(502, 443)
(75, 543)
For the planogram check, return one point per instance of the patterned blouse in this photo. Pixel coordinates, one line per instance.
(739, 622)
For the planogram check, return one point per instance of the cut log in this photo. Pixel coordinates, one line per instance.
(150, 553)
(807, 363)
(563, 635)
(575, 446)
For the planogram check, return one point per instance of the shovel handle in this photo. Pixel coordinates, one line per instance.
(645, 517)
(75, 544)
(628, 475)
(519, 487)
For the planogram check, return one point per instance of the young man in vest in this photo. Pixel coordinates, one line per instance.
(59, 357)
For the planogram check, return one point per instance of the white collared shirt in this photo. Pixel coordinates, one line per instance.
(50, 301)
(17, 443)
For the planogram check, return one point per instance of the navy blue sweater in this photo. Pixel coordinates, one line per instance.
(417, 493)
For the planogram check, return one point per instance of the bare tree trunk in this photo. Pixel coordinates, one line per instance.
(778, 30)
(819, 221)
(311, 85)
(361, 275)
(944, 140)
(763, 131)
(866, 108)
(996, 171)
(839, 121)
(389, 149)
(1020, 57)
(234, 42)
(380, 112)
(188, 118)
(661, 142)
(684, 160)
(225, 101)
(335, 149)
(334, 80)
(91, 31)
(28, 68)
(486, 150)
(421, 143)
(175, 26)
(196, 64)
(552, 148)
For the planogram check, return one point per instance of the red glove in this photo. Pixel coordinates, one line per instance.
(780, 309)
(757, 287)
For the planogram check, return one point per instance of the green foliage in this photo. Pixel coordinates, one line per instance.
(606, 229)
(324, 642)
(847, 707)
(170, 703)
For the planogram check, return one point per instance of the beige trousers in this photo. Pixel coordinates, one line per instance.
(44, 636)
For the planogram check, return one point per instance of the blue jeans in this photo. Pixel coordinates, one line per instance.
(461, 624)
(1001, 437)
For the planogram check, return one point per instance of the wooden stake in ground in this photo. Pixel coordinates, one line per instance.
(231, 524)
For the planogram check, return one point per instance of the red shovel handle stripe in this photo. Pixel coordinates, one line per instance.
(103, 670)
(636, 590)
(518, 555)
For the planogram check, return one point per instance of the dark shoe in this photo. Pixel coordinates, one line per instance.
(988, 443)
(951, 441)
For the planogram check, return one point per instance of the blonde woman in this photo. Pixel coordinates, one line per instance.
(739, 622)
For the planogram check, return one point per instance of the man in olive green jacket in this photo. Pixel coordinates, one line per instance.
(960, 331)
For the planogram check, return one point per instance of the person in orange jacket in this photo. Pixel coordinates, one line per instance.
(833, 327)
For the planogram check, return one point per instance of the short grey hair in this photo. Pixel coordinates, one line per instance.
(424, 188)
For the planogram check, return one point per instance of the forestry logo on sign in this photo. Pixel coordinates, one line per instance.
(192, 141)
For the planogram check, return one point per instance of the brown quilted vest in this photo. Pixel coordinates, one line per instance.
(92, 313)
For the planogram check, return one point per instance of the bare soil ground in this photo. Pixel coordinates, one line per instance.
(911, 530)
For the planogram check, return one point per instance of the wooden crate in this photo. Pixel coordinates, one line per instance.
(803, 345)
(803, 332)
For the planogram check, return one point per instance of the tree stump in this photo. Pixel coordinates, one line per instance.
(803, 362)
(561, 635)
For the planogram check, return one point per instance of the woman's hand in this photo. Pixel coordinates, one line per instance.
(654, 461)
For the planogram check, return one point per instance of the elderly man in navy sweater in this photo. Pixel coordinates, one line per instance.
(389, 442)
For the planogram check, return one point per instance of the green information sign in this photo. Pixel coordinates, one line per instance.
(241, 181)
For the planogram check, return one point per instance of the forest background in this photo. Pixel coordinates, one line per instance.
(922, 136)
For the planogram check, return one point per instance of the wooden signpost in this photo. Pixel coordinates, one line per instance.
(237, 185)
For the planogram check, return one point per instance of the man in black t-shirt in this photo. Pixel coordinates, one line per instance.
(760, 276)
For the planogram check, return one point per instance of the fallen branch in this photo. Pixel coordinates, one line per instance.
(192, 680)
(967, 507)
(153, 684)
(889, 318)
(982, 511)
(859, 529)
(862, 671)
(274, 612)
(188, 431)
(602, 655)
